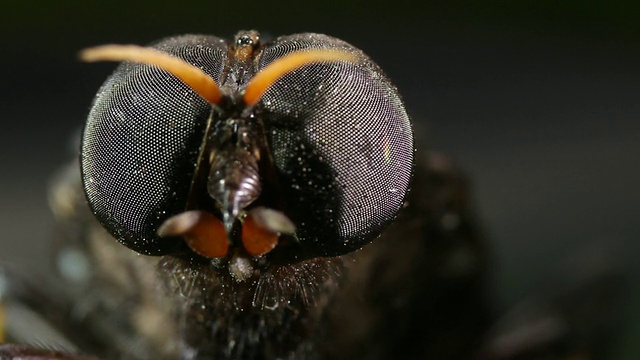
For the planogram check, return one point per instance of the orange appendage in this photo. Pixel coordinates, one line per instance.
(256, 238)
(204, 233)
(191, 75)
(286, 64)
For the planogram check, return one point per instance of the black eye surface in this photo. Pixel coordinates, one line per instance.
(338, 138)
(342, 142)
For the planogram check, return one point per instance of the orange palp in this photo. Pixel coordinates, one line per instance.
(257, 239)
(204, 233)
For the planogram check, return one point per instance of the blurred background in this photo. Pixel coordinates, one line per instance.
(539, 102)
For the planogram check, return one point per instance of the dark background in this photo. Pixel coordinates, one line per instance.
(538, 100)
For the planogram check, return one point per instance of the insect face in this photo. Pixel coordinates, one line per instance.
(285, 150)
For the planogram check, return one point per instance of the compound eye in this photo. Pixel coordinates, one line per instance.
(342, 143)
(143, 134)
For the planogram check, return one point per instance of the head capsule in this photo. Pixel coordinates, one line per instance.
(300, 146)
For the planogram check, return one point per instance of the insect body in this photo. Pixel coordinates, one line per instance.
(254, 172)
(279, 169)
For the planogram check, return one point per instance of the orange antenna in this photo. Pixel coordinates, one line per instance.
(194, 77)
(286, 64)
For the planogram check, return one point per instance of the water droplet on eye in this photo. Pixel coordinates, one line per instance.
(393, 190)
